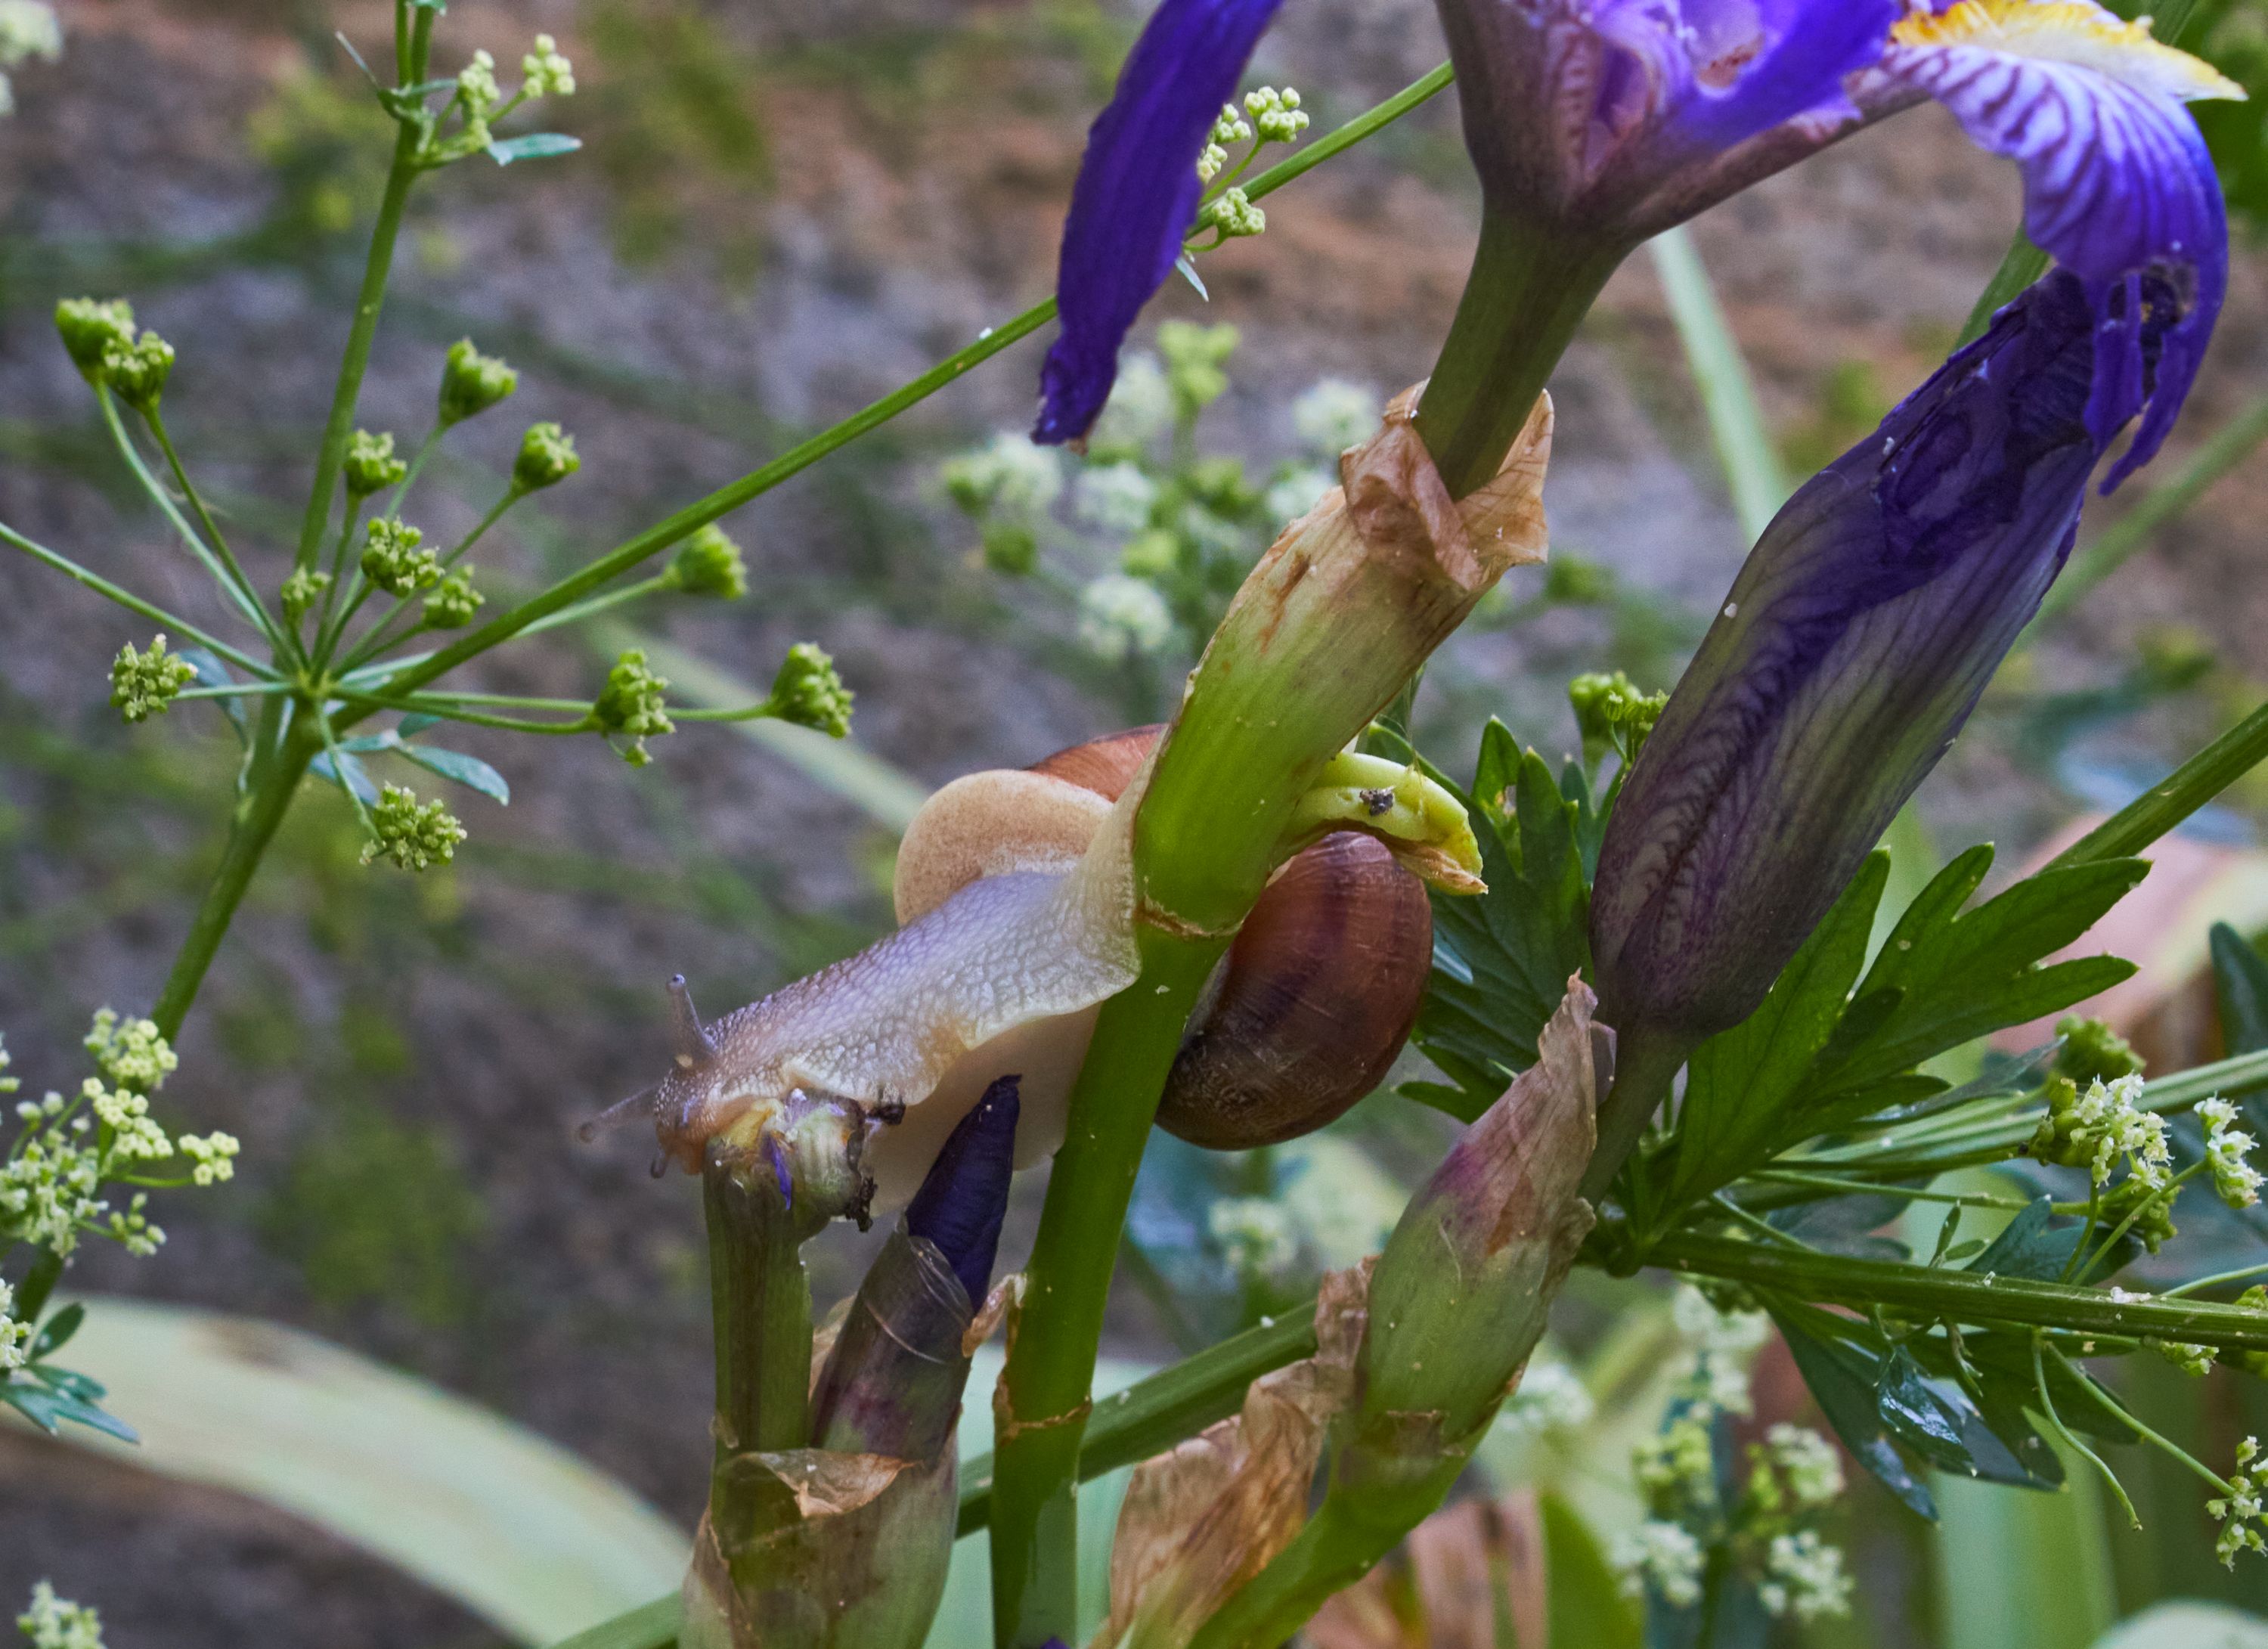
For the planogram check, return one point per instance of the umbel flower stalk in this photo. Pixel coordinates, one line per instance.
(830, 1521)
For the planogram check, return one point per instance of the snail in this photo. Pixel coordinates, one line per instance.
(1014, 892)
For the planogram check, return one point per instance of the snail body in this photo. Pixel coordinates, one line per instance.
(1014, 890)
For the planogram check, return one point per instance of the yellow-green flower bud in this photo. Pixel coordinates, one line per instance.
(1612, 714)
(1151, 555)
(370, 466)
(409, 836)
(2092, 1051)
(1010, 547)
(549, 74)
(301, 591)
(145, 684)
(809, 692)
(471, 383)
(632, 705)
(138, 371)
(91, 328)
(708, 563)
(393, 560)
(547, 457)
(454, 602)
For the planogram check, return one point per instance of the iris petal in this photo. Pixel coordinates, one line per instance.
(1853, 647)
(1136, 193)
(2117, 181)
(1756, 64)
(965, 1197)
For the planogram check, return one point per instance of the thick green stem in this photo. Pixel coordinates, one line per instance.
(761, 1303)
(258, 814)
(339, 428)
(1528, 292)
(1645, 1064)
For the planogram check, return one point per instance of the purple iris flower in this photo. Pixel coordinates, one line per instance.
(962, 1202)
(1851, 649)
(1606, 121)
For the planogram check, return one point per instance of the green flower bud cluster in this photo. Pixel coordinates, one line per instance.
(1276, 115)
(1613, 715)
(411, 836)
(2098, 1126)
(132, 1053)
(2091, 1051)
(145, 684)
(57, 1623)
(1197, 363)
(393, 558)
(91, 328)
(454, 601)
(633, 705)
(471, 382)
(2243, 1511)
(137, 371)
(547, 457)
(370, 466)
(302, 591)
(1235, 216)
(549, 74)
(809, 693)
(709, 564)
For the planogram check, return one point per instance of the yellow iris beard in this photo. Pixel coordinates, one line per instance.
(2076, 32)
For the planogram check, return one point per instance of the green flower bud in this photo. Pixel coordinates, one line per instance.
(809, 692)
(632, 706)
(1612, 714)
(708, 563)
(410, 837)
(137, 371)
(301, 591)
(1235, 216)
(454, 602)
(471, 383)
(1010, 547)
(2092, 1050)
(91, 328)
(370, 466)
(1571, 581)
(549, 74)
(393, 560)
(145, 684)
(1196, 363)
(547, 457)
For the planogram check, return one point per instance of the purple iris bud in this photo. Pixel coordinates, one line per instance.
(1852, 647)
(962, 1203)
(1137, 194)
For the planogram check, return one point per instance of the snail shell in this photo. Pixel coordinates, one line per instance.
(1316, 996)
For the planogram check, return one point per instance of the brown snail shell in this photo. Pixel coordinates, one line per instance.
(1316, 996)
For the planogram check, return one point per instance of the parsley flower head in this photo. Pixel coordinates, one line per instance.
(547, 457)
(145, 684)
(2236, 1181)
(471, 382)
(633, 705)
(371, 465)
(809, 693)
(54, 1623)
(132, 1053)
(393, 559)
(709, 564)
(410, 835)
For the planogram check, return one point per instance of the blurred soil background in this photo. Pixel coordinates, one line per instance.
(784, 208)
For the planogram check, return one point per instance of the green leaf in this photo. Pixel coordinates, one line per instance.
(1842, 1375)
(1938, 1420)
(469, 771)
(70, 1382)
(1585, 1603)
(58, 1331)
(1737, 1114)
(347, 773)
(2035, 1244)
(1502, 959)
(534, 146)
(369, 743)
(414, 722)
(2240, 987)
(39, 1281)
(1960, 976)
(48, 1409)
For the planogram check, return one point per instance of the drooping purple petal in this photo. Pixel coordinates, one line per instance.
(1748, 65)
(962, 1203)
(1853, 647)
(1136, 193)
(2117, 185)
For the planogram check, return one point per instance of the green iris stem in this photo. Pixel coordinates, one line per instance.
(1964, 1296)
(338, 429)
(174, 623)
(760, 1301)
(1529, 289)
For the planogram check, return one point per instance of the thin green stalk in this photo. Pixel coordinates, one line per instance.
(448, 709)
(339, 770)
(426, 448)
(599, 604)
(2181, 794)
(2070, 1439)
(2126, 1416)
(234, 578)
(338, 429)
(1967, 1296)
(340, 571)
(245, 603)
(2242, 1274)
(2229, 447)
(257, 815)
(132, 602)
(1753, 470)
(1839, 1187)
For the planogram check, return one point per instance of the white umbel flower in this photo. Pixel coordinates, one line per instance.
(1121, 618)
